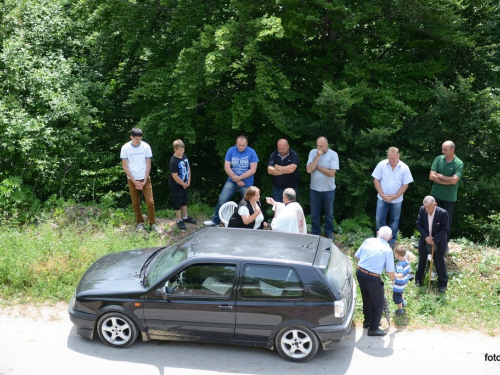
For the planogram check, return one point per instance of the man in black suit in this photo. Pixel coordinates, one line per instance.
(434, 217)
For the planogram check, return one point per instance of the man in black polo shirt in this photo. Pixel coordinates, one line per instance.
(283, 166)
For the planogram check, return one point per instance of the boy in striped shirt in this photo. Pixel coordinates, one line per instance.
(402, 273)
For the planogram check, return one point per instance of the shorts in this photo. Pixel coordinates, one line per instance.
(179, 196)
(397, 297)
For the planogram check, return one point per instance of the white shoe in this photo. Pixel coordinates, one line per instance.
(209, 223)
(433, 275)
(155, 228)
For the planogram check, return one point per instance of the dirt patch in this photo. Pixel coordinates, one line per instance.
(38, 312)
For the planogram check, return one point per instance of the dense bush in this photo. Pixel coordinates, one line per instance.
(77, 75)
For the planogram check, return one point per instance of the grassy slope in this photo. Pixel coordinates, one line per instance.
(43, 263)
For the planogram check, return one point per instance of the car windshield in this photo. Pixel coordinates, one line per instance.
(167, 260)
(337, 269)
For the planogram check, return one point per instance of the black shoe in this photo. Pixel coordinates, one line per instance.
(189, 220)
(366, 324)
(411, 277)
(377, 332)
(442, 289)
(181, 225)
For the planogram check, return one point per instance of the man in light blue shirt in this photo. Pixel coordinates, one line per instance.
(373, 256)
(391, 178)
(322, 165)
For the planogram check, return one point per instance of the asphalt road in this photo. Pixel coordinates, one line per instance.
(35, 342)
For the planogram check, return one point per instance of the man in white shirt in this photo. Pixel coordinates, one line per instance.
(391, 178)
(136, 162)
(288, 216)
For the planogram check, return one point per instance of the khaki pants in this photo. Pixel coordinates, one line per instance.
(147, 191)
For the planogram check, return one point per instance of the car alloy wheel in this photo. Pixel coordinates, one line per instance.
(297, 344)
(117, 330)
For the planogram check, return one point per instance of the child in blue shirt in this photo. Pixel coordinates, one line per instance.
(402, 274)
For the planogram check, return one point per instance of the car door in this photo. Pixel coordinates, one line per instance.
(201, 307)
(269, 295)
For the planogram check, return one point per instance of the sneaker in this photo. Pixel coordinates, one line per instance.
(139, 227)
(189, 220)
(399, 312)
(155, 228)
(404, 303)
(181, 225)
(209, 223)
(433, 275)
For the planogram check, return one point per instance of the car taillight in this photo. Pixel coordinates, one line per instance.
(340, 308)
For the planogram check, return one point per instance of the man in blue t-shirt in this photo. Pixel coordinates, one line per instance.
(240, 164)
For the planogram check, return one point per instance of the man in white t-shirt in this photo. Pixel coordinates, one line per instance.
(136, 162)
(288, 216)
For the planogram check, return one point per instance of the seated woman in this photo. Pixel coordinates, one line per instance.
(249, 214)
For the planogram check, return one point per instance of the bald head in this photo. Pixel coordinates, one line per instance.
(448, 150)
(283, 147)
(322, 144)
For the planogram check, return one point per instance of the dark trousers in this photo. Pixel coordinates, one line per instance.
(449, 207)
(372, 291)
(438, 262)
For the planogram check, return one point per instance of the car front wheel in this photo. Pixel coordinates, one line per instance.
(297, 344)
(117, 330)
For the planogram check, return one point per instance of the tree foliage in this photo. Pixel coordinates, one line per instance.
(78, 74)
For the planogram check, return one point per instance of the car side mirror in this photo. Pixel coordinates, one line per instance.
(166, 290)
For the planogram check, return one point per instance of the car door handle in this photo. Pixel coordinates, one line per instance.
(225, 307)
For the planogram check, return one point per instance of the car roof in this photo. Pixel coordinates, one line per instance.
(252, 243)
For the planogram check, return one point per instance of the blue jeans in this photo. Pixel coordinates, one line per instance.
(278, 193)
(394, 210)
(226, 194)
(322, 199)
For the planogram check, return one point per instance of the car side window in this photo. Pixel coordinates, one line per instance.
(204, 280)
(271, 282)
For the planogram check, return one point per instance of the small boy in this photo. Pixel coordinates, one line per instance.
(402, 274)
(178, 182)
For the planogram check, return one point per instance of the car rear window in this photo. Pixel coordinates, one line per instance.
(337, 269)
(271, 282)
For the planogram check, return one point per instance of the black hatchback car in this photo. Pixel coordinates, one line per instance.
(258, 288)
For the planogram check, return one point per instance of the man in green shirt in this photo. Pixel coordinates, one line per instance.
(446, 171)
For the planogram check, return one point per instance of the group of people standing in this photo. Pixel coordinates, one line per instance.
(391, 179)
(136, 162)
(240, 165)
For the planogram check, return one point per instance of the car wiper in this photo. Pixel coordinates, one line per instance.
(148, 261)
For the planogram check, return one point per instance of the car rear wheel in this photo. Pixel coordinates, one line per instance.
(117, 330)
(297, 344)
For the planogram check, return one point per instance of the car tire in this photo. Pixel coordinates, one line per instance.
(117, 330)
(297, 344)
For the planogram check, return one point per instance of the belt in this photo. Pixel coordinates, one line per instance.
(368, 272)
